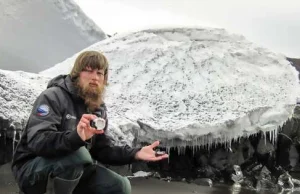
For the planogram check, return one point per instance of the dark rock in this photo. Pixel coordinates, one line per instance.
(288, 144)
(219, 159)
(295, 62)
(139, 166)
(285, 181)
(207, 172)
(237, 176)
(264, 147)
(7, 143)
(264, 180)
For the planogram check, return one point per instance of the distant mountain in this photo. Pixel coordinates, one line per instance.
(35, 34)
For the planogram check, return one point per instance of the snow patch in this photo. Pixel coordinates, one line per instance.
(18, 91)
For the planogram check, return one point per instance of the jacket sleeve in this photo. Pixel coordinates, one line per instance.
(106, 153)
(44, 136)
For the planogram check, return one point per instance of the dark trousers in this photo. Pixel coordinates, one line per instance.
(96, 179)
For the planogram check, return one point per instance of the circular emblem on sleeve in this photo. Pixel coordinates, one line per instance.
(43, 110)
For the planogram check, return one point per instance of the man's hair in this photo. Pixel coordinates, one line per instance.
(92, 59)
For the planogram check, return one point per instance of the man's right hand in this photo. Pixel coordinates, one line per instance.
(84, 130)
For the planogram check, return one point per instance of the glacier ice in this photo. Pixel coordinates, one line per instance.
(188, 87)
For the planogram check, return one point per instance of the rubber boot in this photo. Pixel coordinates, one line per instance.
(61, 186)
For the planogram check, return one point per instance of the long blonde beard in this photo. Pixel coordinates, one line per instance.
(93, 96)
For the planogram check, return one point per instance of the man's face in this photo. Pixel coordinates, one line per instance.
(91, 78)
(91, 84)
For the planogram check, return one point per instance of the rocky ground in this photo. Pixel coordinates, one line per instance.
(139, 186)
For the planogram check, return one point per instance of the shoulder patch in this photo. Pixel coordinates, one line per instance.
(43, 110)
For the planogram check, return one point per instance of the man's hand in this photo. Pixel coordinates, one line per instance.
(84, 130)
(148, 154)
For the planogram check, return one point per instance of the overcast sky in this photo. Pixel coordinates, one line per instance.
(268, 23)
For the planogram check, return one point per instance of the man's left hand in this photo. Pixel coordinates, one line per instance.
(147, 153)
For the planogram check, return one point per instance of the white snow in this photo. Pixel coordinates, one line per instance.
(35, 34)
(192, 86)
(18, 90)
(140, 174)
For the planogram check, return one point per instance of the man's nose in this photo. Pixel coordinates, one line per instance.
(95, 75)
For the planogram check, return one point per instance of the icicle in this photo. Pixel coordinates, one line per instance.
(181, 150)
(193, 149)
(168, 149)
(276, 135)
(5, 133)
(273, 136)
(194, 146)
(14, 140)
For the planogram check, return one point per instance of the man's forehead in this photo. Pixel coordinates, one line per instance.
(89, 67)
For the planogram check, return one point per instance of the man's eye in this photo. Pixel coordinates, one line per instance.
(100, 73)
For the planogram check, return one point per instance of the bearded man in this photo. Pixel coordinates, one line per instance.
(59, 151)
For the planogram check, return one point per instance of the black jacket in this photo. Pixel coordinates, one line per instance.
(51, 129)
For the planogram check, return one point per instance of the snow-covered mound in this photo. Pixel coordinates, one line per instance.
(18, 90)
(181, 86)
(193, 86)
(36, 34)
